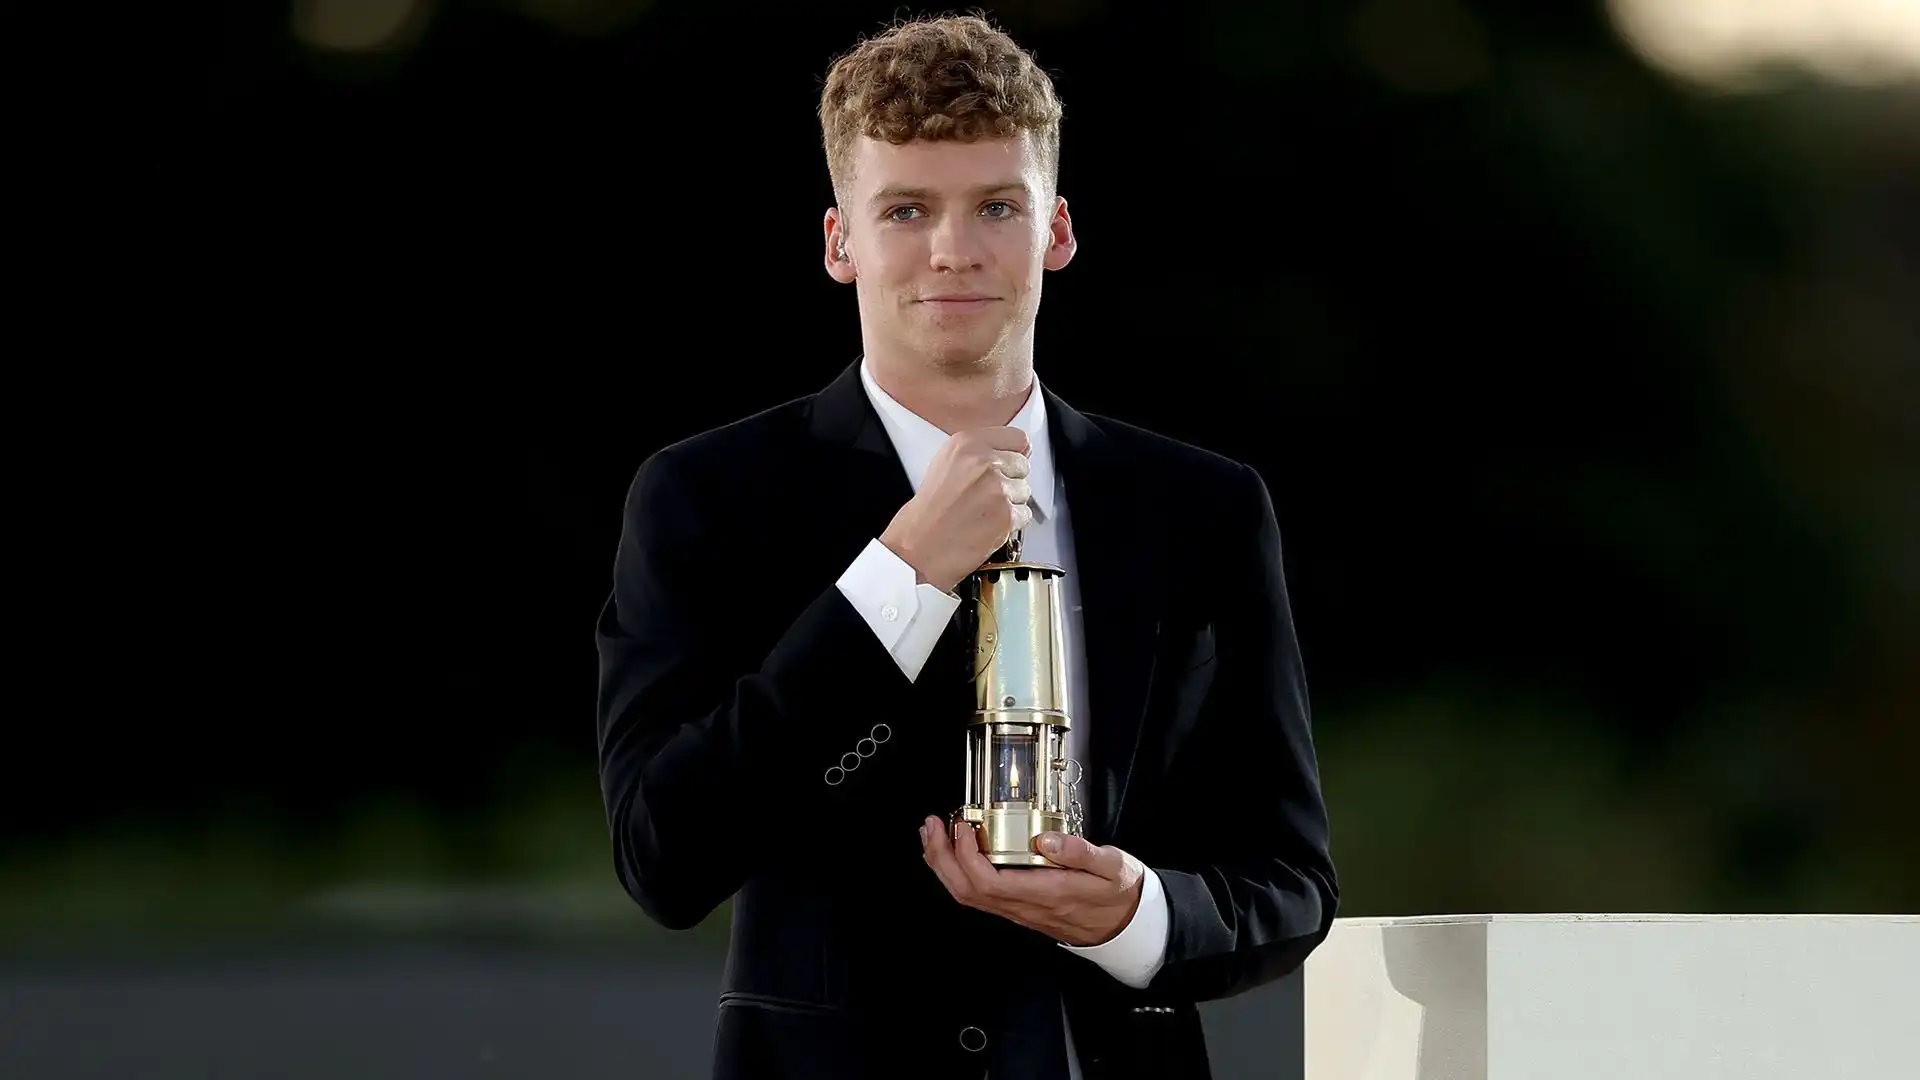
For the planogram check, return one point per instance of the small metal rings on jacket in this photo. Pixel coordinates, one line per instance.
(862, 750)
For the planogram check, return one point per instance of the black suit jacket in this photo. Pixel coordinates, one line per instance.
(734, 674)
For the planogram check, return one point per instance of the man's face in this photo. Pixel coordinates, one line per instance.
(946, 243)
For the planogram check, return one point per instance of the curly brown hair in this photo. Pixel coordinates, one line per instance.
(953, 77)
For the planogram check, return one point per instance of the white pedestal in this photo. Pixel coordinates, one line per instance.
(1616, 997)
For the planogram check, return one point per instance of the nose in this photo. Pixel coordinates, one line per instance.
(956, 245)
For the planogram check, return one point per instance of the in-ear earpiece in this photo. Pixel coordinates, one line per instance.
(841, 252)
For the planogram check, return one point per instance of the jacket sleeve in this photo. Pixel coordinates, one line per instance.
(1250, 882)
(712, 744)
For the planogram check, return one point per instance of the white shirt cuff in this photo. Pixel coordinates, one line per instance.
(1135, 954)
(908, 616)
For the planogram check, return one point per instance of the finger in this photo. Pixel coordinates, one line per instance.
(935, 841)
(982, 876)
(1022, 517)
(1012, 463)
(1005, 438)
(1077, 853)
(1017, 491)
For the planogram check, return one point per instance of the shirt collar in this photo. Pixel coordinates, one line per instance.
(916, 439)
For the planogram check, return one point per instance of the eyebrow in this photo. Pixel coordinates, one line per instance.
(892, 194)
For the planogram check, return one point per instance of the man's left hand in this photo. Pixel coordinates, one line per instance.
(1088, 899)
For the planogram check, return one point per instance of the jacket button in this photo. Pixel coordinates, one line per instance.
(972, 1039)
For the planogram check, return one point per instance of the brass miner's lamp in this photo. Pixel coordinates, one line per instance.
(1020, 782)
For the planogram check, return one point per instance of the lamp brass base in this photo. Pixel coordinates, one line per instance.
(1006, 836)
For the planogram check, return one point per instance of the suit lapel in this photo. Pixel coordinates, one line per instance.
(1119, 595)
(872, 483)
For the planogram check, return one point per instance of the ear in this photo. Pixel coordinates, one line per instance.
(1061, 243)
(839, 256)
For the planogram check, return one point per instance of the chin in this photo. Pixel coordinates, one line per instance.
(960, 361)
(959, 353)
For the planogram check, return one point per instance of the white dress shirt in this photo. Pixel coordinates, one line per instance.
(908, 617)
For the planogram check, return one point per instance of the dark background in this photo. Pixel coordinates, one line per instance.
(1585, 386)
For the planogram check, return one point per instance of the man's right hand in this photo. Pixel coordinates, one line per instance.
(973, 499)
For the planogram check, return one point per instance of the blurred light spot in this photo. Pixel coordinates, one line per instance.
(1732, 43)
(360, 26)
(589, 17)
(1422, 46)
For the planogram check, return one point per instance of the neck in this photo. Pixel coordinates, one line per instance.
(959, 398)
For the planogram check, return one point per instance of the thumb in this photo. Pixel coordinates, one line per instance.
(1075, 852)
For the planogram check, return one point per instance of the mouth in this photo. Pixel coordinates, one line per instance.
(957, 302)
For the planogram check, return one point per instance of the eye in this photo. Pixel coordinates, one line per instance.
(899, 213)
(1004, 209)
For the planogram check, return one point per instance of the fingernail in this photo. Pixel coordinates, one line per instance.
(1049, 843)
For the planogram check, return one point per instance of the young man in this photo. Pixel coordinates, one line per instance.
(782, 684)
